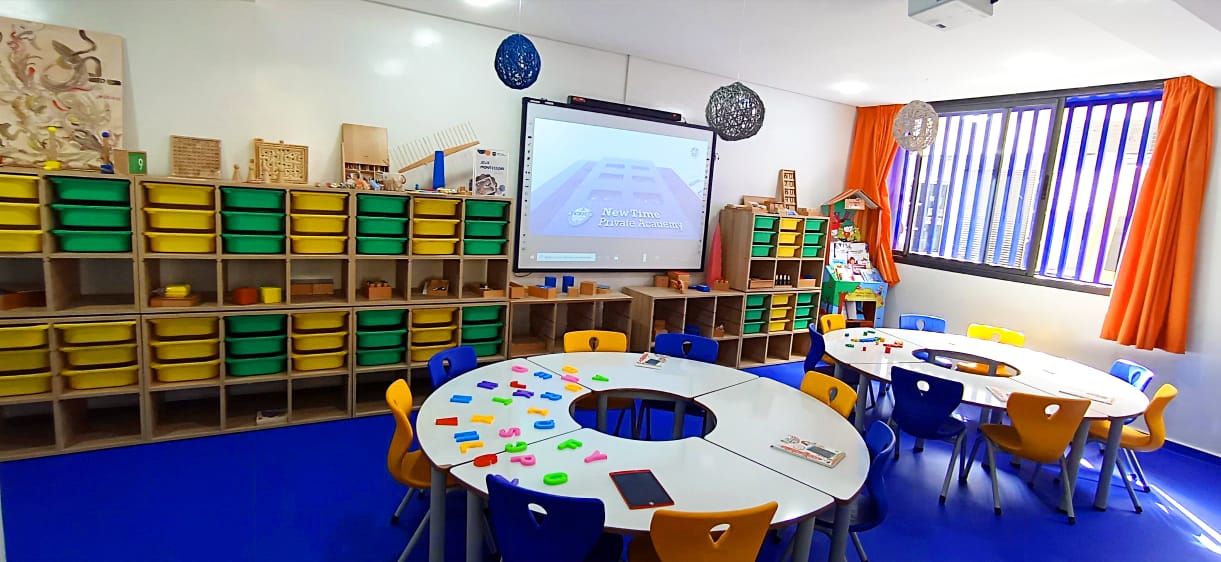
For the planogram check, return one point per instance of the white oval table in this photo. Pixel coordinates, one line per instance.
(731, 468)
(1038, 373)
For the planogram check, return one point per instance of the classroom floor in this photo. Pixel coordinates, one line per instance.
(320, 493)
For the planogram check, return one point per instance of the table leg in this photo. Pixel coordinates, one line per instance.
(474, 527)
(862, 389)
(436, 517)
(802, 540)
(602, 412)
(1109, 456)
(680, 414)
(839, 533)
(1074, 457)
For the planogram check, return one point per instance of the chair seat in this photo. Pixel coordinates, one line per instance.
(1007, 439)
(589, 403)
(668, 406)
(948, 429)
(609, 548)
(862, 515)
(417, 473)
(1131, 438)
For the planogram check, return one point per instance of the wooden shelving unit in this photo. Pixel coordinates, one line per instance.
(762, 250)
(538, 325)
(695, 309)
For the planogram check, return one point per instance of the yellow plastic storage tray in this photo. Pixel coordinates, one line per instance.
(781, 300)
(324, 202)
(789, 237)
(434, 227)
(318, 224)
(780, 313)
(786, 251)
(776, 326)
(435, 207)
(184, 327)
(185, 350)
(25, 360)
(18, 187)
(320, 321)
(436, 246)
(181, 219)
(100, 378)
(308, 343)
(20, 241)
(431, 316)
(17, 385)
(429, 336)
(789, 224)
(95, 355)
(425, 352)
(319, 244)
(179, 194)
(21, 337)
(181, 243)
(98, 332)
(175, 372)
(318, 361)
(19, 214)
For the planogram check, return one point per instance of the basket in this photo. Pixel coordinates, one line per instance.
(753, 327)
(96, 355)
(765, 223)
(252, 222)
(434, 227)
(789, 224)
(435, 207)
(181, 243)
(473, 314)
(20, 214)
(80, 379)
(786, 251)
(320, 321)
(185, 350)
(20, 385)
(481, 332)
(430, 336)
(477, 247)
(28, 241)
(381, 226)
(254, 325)
(18, 187)
(372, 357)
(21, 337)
(319, 244)
(255, 366)
(253, 243)
(776, 326)
(486, 209)
(258, 346)
(95, 190)
(756, 300)
(25, 360)
(779, 313)
(420, 353)
(92, 216)
(381, 340)
(788, 237)
(252, 198)
(763, 238)
(374, 245)
(432, 316)
(321, 202)
(486, 348)
(380, 319)
(179, 194)
(176, 372)
(306, 343)
(319, 361)
(318, 224)
(426, 247)
(91, 241)
(484, 229)
(381, 205)
(757, 251)
(98, 332)
(181, 219)
(781, 299)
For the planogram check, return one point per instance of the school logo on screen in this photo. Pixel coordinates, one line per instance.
(579, 216)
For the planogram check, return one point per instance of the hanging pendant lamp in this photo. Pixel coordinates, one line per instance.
(915, 126)
(735, 112)
(517, 62)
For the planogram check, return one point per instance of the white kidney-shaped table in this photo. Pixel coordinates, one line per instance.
(732, 467)
(1038, 373)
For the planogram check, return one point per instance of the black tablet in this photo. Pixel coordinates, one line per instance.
(640, 489)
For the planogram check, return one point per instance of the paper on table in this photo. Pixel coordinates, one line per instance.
(1093, 396)
(1002, 395)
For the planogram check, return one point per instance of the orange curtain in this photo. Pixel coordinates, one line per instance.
(873, 153)
(1151, 299)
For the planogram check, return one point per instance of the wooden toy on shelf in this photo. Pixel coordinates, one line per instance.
(720, 285)
(130, 162)
(193, 157)
(786, 189)
(107, 166)
(237, 172)
(174, 295)
(485, 291)
(280, 162)
(661, 281)
(423, 151)
(436, 288)
(245, 296)
(250, 175)
(305, 286)
(603, 289)
(543, 291)
(378, 290)
(588, 287)
(365, 153)
(51, 150)
(22, 298)
(517, 291)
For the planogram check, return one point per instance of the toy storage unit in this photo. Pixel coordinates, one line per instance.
(537, 325)
(765, 252)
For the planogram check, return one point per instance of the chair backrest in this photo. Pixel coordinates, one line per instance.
(569, 529)
(1135, 374)
(449, 363)
(696, 348)
(681, 536)
(594, 340)
(922, 402)
(830, 391)
(818, 347)
(921, 322)
(997, 334)
(831, 322)
(1155, 418)
(1045, 432)
(398, 398)
(880, 440)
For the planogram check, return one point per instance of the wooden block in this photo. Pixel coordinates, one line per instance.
(378, 292)
(322, 288)
(192, 300)
(718, 331)
(761, 284)
(193, 157)
(659, 324)
(485, 291)
(588, 287)
(299, 289)
(436, 288)
(516, 291)
(603, 290)
(807, 283)
(661, 281)
(680, 276)
(130, 162)
(21, 299)
(720, 285)
(542, 292)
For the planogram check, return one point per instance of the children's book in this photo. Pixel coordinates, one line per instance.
(809, 450)
(651, 360)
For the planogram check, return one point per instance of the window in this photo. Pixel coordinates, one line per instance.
(1034, 188)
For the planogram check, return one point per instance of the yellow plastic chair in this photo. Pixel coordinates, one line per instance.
(595, 340)
(1133, 440)
(830, 391)
(997, 334)
(832, 322)
(410, 468)
(1039, 433)
(680, 536)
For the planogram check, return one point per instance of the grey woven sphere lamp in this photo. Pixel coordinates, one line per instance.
(735, 112)
(915, 126)
(517, 62)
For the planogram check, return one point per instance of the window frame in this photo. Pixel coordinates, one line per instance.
(1028, 274)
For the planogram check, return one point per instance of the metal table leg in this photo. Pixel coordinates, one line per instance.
(474, 527)
(1075, 455)
(602, 412)
(802, 540)
(839, 533)
(862, 388)
(680, 413)
(436, 517)
(1109, 456)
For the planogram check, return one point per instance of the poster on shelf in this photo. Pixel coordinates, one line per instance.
(491, 173)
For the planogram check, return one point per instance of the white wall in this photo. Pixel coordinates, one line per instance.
(1067, 323)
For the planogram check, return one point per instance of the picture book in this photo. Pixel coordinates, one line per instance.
(809, 450)
(651, 360)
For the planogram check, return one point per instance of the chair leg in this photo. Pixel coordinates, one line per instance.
(1127, 484)
(1068, 491)
(1033, 475)
(415, 537)
(898, 437)
(394, 519)
(919, 447)
(860, 548)
(949, 470)
(996, 486)
(1140, 472)
(619, 422)
(963, 473)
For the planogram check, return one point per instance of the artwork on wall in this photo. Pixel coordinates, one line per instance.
(62, 77)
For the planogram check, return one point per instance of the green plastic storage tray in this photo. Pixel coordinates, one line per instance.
(489, 247)
(252, 243)
(252, 198)
(765, 223)
(487, 209)
(381, 205)
(486, 348)
(477, 332)
(382, 226)
(803, 311)
(811, 251)
(93, 240)
(758, 251)
(252, 222)
(372, 357)
(763, 237)
(753, 327)
(92, 216)
(756, 300)
(258, 346)
(812, 238)
(380, 245)
(814, 225)
(805, 298)
(755, 314)
(251, 325)
(380, 319)
(381, 340)
(801, 324)
(94, 190)
(474, 314)
(255, 366)
(485, 229)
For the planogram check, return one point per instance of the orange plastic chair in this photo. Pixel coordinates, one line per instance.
(1133, 440)
(680, 536)
(595, 340)
(830, 391)
(1039, 433)
(410, 468)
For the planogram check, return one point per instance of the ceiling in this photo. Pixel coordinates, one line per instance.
(865, 52)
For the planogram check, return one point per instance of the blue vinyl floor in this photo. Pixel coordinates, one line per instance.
(320, 493)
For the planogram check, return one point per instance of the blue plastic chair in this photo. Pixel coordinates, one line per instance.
(1138, 376)
(570, 530)
(818, 348)
(449, 363)
(921, 322)
(924, 408)
(870, 508)
(687, 346)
